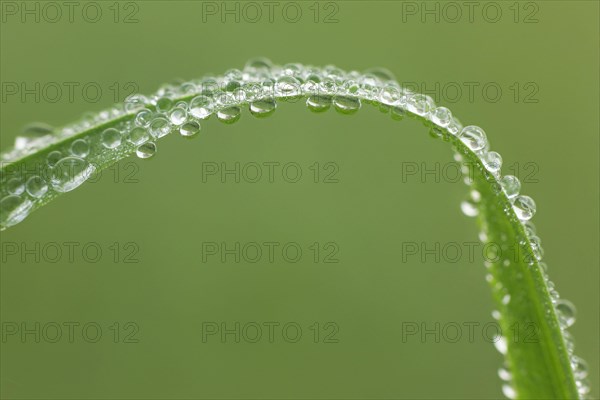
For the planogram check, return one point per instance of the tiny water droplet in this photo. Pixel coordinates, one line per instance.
(524, 207)
(441, 116)
(146, 150)
(420, 104)
(509, 391)
(504, 374)
(53, 158)
(189, 129)
(473, 137)
(135, 102)
(36, 187)
(144, 117)
(164, 104)
(229, 115)
(500, 344)
(111, 138)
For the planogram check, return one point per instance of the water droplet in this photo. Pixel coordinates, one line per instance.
(144, 117)
(229, 115)
(31, 133)
(189, 129)
(583, 387)
(15, 186)
(13, 209)
(201, 107)
(263, 108)
(441, 116)
(53, 158)
(536, 246)
(36, 187)
(80, 148)
(111, 138)
(258, 65)
(504, 374)
(506, 299)
(509, 391)
(69, 173)
(511, 186)
(390, 95)
(496, 315)
(565, 312)
(146, 150)
(492, 161)
(164, 104)
(318, 103)
(543, 267)
(420, 104)
(469, 208)
(138, 135)
(346, 105)
(500, 344)
(288, 86)
(580, 367)
(524, 207)
(135, 102)
(178, 116)
(473, 137)
(159, 127)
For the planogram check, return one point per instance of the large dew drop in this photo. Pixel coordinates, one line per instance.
(263, 108)
(566, 312)
(318, 103)
(146, 150)
(524, 207)
(229, 115)
(69, 173)
(346, 105)
(473, 137)
(13, 209)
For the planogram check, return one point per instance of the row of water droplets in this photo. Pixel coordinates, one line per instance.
(181, 107)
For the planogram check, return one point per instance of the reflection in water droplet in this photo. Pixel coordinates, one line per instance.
(36, 187)
(263, 108)
(13, 209)
(524, 207)
(146, 150)
(229, 115)
(346, 105)
(189, 129)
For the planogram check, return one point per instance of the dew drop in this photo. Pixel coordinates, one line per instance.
(318, 103)
(258, 65)
(506, 299)
(441, 116)
(500, 344)
(346, 105)
(69, 173)
(420, 104)
(492, 161)
(566, 312)
(178, 116)
(189, 129)
(263, 108)
(146, 150)
(111, 138)
(201, 107)
(229, 115)
(509, 391)
(135, 102)
(164, 104)
(473, 137)
(53, 158)
(469, 208)
(15, 186)
(13, 209)
(31, 133)
(159, 127)
(536, 246)
(524, 207)
(36, 187)
(80, 148)
(580, 367)
(138, 135)
(511, 186)
(143, 117)
(504, 374)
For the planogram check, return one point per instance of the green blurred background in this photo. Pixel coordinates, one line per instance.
(548, 136)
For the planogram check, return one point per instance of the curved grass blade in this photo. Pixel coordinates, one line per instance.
(538, 349)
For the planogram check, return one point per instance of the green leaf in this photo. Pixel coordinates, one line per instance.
(538, 350)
